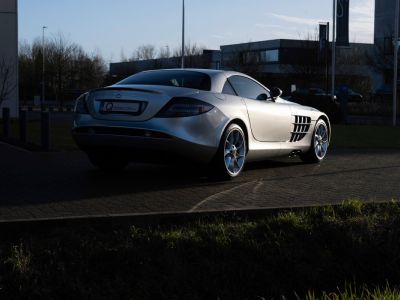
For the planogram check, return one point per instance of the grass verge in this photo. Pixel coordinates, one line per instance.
(60, 136)
(363, 136)
(346, 252)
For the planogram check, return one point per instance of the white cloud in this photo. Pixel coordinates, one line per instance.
(296, 20)
(361, 22)
(218, 36)
(363, 7)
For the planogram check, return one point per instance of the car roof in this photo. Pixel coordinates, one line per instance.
(218, 77)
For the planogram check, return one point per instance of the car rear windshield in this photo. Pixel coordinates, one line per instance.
(178, 78)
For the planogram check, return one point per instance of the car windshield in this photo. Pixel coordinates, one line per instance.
(178, 78)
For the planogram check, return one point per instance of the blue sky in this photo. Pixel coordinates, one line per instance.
(110, 27)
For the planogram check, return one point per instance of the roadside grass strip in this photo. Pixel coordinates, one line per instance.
(350, 251)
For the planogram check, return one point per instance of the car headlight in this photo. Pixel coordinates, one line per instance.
(184, 107)
(81, 105)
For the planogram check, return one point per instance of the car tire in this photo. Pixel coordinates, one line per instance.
(231, 155)
(319, 144)
(107, 160)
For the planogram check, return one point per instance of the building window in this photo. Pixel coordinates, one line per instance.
(263, 56)
(250, 57)
(268, 56)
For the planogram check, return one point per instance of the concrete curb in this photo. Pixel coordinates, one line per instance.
(148, 219)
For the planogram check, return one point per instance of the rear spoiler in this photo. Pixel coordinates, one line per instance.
(114, 88)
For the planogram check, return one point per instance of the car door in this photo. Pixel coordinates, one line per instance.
(270, 121)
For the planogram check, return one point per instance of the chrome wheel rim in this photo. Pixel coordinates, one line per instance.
(321, 140)
(235, 152)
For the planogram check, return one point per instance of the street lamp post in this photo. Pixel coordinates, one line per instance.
(43, 70)
(395, 65)
(183, 35)
(333, 50)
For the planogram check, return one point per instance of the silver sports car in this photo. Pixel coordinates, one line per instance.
(213, 117)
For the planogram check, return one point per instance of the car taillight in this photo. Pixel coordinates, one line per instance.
(81, 105)
(184, 107)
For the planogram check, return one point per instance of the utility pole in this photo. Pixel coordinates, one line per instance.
(395, 65)
(43, 70)
(333, 51)
(183, 35)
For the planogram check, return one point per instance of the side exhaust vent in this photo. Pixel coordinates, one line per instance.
(301, 128)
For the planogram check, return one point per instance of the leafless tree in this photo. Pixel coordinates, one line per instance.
(193, 55)
(69, 69)
(145, 52)
(164, 52)
(190, 50)
(7, 86)
(122, 56)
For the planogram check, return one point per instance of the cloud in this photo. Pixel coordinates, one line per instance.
(218, 36)
(361, 22)
(363, 7)
(296, 20)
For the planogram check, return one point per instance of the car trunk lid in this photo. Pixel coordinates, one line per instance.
(132, 102)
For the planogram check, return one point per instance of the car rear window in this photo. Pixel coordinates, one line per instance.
(178, 78)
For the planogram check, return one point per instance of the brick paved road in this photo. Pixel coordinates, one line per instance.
(39, 185)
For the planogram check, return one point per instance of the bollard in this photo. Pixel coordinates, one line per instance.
(23, 126)
(6, 123)
(45, 130)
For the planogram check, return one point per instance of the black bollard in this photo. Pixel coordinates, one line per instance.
(23, 126)
(6, 122)
(45, 130)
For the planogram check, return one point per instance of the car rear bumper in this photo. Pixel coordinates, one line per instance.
(141, 148)
(194, 138)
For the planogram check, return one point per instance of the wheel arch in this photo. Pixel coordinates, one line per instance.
(328, 123)
(242, 124)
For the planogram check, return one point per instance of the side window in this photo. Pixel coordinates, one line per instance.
(228, 90)
(248, 88)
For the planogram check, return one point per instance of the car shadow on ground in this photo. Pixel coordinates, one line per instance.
(57, 180)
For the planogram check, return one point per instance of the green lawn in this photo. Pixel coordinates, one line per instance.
(60, 135)
(360, 136)
(351, 251)
(344, 136)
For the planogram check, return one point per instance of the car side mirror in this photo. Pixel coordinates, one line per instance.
(276, 92)
(262, 97)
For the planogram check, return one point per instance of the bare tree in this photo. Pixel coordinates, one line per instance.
(190, 50)
(26, 76)
(164, 52)
(193, 55)
(144, 52)
(7, 85)
(122, 56)
(69, 69)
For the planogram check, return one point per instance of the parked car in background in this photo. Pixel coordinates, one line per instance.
(318, 98)
(352, 96)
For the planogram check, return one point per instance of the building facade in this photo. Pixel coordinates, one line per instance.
(301, 62)
(9, 55)
(384, 24)
(209, 59)
(280, 62)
